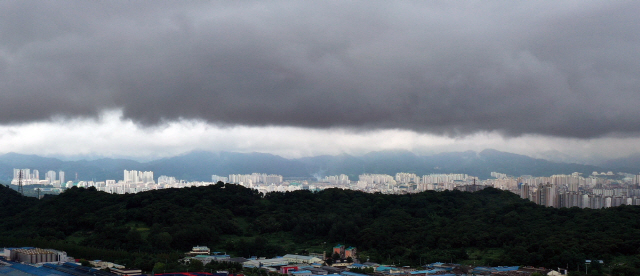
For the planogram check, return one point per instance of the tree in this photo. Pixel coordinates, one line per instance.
(335, 256)
(596, 268)
(159, 267)
(134, 240)
(161, 240)
(329, 261)
(624, 270)
(195, 265)
(84, 262)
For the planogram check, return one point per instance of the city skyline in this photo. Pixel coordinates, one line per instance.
(595, 191)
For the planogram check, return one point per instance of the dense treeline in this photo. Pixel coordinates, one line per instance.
(491, 226)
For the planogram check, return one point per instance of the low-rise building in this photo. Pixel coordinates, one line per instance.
(301, 273)
(299, 259)
(32, 255)
(199, 250)
(126, 271)
(266, 262)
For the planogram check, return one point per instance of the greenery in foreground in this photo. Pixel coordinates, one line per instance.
(490, 227)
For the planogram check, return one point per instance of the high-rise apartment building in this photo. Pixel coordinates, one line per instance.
(525, 191)
(51, 176)
(407, 178)
(138, 177)
(217, 178)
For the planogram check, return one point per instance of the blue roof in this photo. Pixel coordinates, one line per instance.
(300, 272)
(357, 265)
(507, 268)
(497, 268)
(383, 268)
(39, 271)
(431, 271)
(347, 273)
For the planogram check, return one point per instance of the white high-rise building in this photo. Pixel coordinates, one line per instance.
(407, 178)
(61, 176)
(51, 176)
(216, 178)
(138, 177)
(16, 173)
(146, 177)
(26, 174)
(130, 176)
(170, 180)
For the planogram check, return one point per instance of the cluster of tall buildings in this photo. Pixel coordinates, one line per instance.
(597, 190)
(32, 177)
(342, 179)
(138, 181)
(410, 182)
(265, 183)
(133, 182)
(564, 195)
(249, 180)
(138, 177)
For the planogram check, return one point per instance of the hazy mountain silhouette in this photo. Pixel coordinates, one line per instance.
(200, 165)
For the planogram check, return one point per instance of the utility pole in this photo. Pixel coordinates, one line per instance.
(586, 267)
(20, 190)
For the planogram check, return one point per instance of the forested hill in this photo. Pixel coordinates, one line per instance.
(491, 226)
(11, 202)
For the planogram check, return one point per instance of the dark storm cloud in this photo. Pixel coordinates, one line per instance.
(567, 69)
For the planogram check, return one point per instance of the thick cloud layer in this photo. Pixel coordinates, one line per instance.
(569, 69)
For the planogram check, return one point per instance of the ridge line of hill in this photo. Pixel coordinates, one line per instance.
(200, 165)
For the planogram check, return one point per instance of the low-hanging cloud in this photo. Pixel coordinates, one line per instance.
(568, 69)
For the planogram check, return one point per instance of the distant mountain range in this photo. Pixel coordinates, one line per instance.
(200, 165)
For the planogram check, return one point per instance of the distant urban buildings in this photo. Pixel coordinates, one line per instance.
(248, 180)
(597, 190)
(577, 191)
(217, 178)
(138, 177)
(409, 182)
(32, 177)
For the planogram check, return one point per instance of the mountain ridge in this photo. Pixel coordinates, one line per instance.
(199, 165)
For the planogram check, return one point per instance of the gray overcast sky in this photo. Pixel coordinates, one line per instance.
(532, 77)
